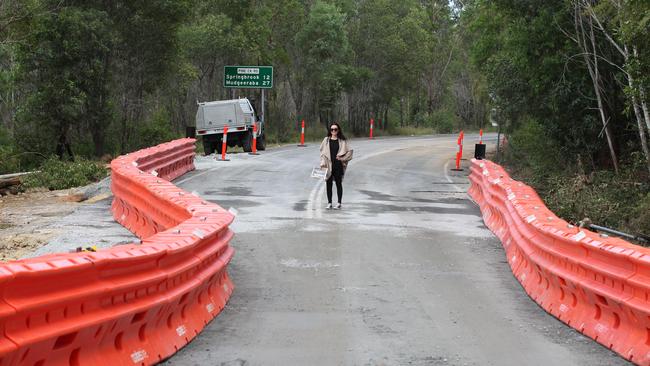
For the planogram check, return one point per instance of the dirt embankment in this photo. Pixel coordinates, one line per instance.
(28, 220)
(25, 221)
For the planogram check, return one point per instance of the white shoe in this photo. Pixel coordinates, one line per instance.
(338, 206)
(329, 206)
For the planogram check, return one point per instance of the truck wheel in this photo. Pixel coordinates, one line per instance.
(218, 144)
(247, 141)
(261, 143)
(207, 145)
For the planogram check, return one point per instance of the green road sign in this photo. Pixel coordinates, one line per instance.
(248, 77)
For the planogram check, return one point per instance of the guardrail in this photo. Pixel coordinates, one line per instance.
(599, 286)
(133, 304)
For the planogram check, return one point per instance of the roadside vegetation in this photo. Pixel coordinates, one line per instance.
(55, 174)
(569, 81)
(89, 79)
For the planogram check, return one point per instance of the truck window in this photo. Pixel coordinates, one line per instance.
(245, 107)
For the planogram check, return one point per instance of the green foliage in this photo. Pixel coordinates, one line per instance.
(538, 82)
(5, 138)
(531, 148)
(325, 44)
(156, 131)
(525, 57)
(407, 131)
(422, 119)
(444, 121)
(56, 174)
(606, 199)
(63, 58)
(629, 22)
(93, 76)
(9, 163)
(323, 37)
(639, 218)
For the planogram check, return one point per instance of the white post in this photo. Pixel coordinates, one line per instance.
(262, 109)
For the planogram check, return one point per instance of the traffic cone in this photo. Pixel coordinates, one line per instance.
(302, 134)
(459, 151)
(224, 144)
(254, 152)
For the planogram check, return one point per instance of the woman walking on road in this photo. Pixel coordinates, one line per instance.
(335, 153)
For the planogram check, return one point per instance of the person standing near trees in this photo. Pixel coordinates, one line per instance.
(335, 154)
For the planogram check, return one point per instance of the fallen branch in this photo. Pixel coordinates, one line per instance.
(4, 183)
(12, 175)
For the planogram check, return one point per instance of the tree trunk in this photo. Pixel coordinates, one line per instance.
(638, 111)
(592, 66)
(624, 51)
(644, 106)
(642, 136)
(401, 111)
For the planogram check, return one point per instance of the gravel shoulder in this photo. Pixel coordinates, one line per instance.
(42, 222)
(26, 221)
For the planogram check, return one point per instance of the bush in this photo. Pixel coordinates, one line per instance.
(640, 218)
(56, 174)
(443, 121)
(421, 119)
(9, 163)
(155, 131)
(620, 201)
(605, 198)
(12, 160)
(530, 148)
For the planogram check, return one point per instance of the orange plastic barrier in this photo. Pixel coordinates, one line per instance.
(133, 304)
(597, 285)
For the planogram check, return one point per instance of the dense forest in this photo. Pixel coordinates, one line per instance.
(106, 77)
(567, 80)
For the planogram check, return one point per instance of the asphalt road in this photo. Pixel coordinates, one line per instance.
(405, 274)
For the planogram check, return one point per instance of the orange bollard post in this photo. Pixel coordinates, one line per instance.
(254, 152)
(462, 137)
(479, 149)
(459, 151)
(224, 144)
(372, 126)
(302, 134)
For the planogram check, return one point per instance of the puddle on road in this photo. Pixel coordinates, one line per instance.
(452, 198)
(300, 206)
(233, 191)
(235, 203)
(444, 196)
(388, 208)
(378, 196)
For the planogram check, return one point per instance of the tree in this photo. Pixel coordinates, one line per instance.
(628, 48)
(586, 40)
(63, 60)
(325, 45)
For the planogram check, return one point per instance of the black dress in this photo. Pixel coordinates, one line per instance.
(337, 165)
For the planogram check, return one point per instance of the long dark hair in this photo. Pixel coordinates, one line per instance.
(339, 135)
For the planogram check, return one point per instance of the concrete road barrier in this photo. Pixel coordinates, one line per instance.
(599, 286)
(132, 304)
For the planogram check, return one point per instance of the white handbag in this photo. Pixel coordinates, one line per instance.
(319, 173)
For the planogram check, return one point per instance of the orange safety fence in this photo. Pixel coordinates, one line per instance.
(598, 285)
(134, 304)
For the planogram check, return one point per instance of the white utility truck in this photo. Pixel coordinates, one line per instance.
(238, 115)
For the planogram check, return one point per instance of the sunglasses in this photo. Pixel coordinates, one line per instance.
(334, 129)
